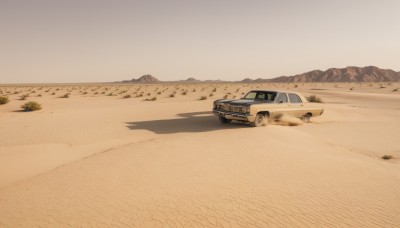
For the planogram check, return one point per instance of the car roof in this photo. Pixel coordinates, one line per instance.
(275, 91)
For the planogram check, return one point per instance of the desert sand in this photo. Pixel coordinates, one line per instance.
(101, 158)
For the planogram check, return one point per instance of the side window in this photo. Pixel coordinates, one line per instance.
(261, 96)
(281, 97)
(294, 98)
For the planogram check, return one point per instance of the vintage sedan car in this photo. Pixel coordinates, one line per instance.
(257, 107)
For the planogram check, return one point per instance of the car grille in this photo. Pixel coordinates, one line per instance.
(231, 108)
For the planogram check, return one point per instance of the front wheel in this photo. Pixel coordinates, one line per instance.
(259, 121)
(224, 120)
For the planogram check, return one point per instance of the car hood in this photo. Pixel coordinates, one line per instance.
(241, 102)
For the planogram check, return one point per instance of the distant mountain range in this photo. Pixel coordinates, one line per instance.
(348, 74)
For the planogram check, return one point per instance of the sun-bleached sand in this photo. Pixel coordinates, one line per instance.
(100, 159)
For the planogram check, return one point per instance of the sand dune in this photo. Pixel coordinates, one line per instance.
(99, 160)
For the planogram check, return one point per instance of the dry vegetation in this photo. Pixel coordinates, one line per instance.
(4, 100)
(31, 106)
(315, 99)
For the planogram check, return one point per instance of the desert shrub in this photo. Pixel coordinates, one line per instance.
(172, 95)
(39, 95)
(65, 95)
(31, 106)
(203, 98)
(4, 100)
(127, 96)
(395, 90)
(152, 99)
(215, 90)
(159, 92)
(53, 93)
(148, 94)
(184, 93)
(23, 97)
(387, 157)
(315, 99)
(226, 96)
(211, 94)
(85, 92)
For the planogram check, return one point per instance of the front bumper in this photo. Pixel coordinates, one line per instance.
(233, 115)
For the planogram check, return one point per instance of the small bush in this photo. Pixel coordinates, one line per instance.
(127, 96)
(395, 90)
(23, 97)
(4, 100)
(315, 99)
(203, 98)
(31, 106)
(211, 94)
(184, 93)
(152, 99)
(65, 95)
(172, 95)
(53, 94)
(387, 157)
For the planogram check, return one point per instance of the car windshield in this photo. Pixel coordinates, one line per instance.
(260, 95)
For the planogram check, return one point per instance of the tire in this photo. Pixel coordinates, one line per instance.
(306, 118)
(224, 120)
(259, 121)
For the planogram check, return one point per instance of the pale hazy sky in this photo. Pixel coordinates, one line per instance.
(100, 41)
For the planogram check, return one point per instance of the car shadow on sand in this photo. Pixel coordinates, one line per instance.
(187, 122)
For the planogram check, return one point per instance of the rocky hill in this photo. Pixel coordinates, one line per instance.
(144, 79)
(348, 74)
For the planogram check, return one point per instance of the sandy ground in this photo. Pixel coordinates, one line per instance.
(99, 159)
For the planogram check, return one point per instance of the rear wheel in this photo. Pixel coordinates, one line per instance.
(306, 118)
(224, 120)
(259, 121)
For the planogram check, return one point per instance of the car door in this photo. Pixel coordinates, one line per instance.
(281, 104)
(296, 105)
